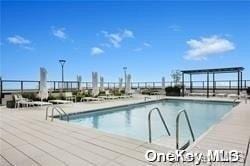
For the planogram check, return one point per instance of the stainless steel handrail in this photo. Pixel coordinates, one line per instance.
(52, 116)
(59, 110)
(177, 126)
(65, 114)
(235, 102)
(47, 110)
(149, 123)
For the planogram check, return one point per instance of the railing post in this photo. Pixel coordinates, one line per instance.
(21, 86)
(138, 86)
(39, 85)
(229, 84)
(245, 84)
(1, 90)
(153, 84)
(54, 85)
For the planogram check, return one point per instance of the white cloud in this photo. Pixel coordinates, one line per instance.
(21, 42)
(115, 39)
(207, 46)
(175, 27)
(27, 48)
(18, 40)
(138, 49)
(96, 51)
(60, 33)
(147, 44)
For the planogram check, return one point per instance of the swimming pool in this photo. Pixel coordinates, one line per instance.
(132, 121)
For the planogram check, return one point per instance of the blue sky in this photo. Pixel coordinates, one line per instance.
(150, 38)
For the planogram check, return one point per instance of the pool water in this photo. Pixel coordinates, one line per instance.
(132, 121)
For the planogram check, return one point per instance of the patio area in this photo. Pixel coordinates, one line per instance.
(28, 139)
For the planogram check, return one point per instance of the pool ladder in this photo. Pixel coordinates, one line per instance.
(183, 111)
(59, 110)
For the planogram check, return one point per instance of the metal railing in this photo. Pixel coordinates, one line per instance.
(177, 129)
(149, 123)
(32, 85)
(61, 112)
(21, 86)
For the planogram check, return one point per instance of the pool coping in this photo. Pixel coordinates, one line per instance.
(147, 102)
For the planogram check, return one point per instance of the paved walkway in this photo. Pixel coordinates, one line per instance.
(28, 139)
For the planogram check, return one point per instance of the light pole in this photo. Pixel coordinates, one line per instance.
(62, 62)
(125, 76)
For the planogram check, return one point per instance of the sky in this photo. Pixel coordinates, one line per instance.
(150, 38)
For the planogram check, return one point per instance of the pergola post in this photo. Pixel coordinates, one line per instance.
(182, 84)
(191, 86)
(238, 83)
(241, 80)
(207, 84)
(213, 83)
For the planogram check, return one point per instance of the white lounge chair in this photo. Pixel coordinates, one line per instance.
(60, 101)
(197, 94)
(221, 95)
(20, 101)
(233, 96)
(90, 99)
(69, 96)
(41, 103)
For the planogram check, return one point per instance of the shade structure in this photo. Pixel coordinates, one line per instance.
(79, 81)
(43, 89)
(163, 82)
(101, 84)
(120, 84)
(213, 71)
(95, 89)
(128, 84)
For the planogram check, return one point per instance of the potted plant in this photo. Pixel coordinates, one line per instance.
(173, 91)
(248, 91)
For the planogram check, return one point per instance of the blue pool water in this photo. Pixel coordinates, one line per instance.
(132, 121)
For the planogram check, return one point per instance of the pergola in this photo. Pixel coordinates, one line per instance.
(237, 70)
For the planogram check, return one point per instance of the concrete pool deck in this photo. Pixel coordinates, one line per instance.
(28, 139)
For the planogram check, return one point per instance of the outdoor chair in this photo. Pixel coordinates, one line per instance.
(69, 96)
(20, 101)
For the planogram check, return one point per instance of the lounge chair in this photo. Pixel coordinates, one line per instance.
(20, 101)
(41, 103)
(60, 101)
(233, 96)
(221, 95)
(90, 99)
(197, 94)
(69, 96)
(108, 96)
(125, 96)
